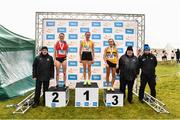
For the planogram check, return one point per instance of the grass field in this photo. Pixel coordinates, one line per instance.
(168, 86)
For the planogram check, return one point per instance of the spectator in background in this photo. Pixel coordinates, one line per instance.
(172, 56)
(177, 55)
(164, 56)
(155, 53)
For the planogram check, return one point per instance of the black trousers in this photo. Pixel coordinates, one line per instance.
(123, 84)
(38, 90)
(177, 59)
(151, 80)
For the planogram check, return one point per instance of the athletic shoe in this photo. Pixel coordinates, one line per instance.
(89, 82)
(85, 82)
(112, 89)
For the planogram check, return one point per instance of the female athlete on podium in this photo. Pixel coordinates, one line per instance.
(110, 59)
(86, 53)
(60, 55)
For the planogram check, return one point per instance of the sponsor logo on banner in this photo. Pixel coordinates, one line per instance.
(72, 49)
(83, 30)
(81, 70)
(104, 70)
(73, 36)
(72, 43)
(50, 36)
(118, 37)
(97, 64)
(96, 30)
(50, 23)
(96, 77)
(50, 49)
(72, 56)
(98, 56)
(107, 23)
(107, 30)
(118, 30)
(73, 23)
(97, 43)
(119, 43)
(118, 24)
(72, 70)
(96, 70)
(96, 36)
(120, 50)
(96, 24)
(105, 43)
(106, 37)
(61, 30)
(72, 77)
(48, 30)
(49, 43)
(72, 63)
(130, 24)
(97, 50)
(61, 23)
(72, 30)
(131, 37)
(129, 43)
(129, 31)
(84, 23)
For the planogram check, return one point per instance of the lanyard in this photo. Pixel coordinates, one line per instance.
(87, 43)
(111, 50)
(61, 45)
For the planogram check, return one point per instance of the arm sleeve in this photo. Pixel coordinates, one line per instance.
(34, 70)
(52, 68)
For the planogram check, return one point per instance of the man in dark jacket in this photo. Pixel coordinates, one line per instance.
(128, 67)
(147, 64)
(43, 71)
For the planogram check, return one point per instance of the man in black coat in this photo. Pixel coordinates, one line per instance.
(128, 67)
(147, 64)
(43, 71)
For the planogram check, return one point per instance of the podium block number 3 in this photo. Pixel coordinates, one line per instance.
(55, 95)
(115, 102)
(87, 95)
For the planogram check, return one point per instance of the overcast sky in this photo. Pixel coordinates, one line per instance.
(162, 16)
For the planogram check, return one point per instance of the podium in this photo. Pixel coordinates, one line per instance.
(57, 97)
(86, 96)
(113, 98)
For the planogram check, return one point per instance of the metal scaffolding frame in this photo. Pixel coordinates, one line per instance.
(157, 105)
(40, 16)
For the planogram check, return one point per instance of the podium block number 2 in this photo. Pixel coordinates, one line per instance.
(55, 95)
(87, 95)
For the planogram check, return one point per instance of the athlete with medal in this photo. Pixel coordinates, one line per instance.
(86, 53)
(110, 59)
(60, 55)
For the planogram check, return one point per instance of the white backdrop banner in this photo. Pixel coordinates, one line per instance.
(123, 32)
